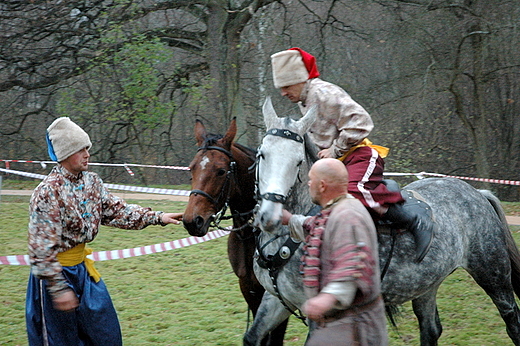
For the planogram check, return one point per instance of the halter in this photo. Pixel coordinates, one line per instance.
(224, 192)
(287, 134)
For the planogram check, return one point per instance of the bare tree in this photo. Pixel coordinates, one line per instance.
(48, 48)
(440, 78)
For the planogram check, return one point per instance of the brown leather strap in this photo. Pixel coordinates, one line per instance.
(353, 310)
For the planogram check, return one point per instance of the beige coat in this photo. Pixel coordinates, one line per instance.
(341, 123)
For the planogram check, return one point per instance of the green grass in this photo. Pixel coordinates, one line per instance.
(13, 184)
(190, 296)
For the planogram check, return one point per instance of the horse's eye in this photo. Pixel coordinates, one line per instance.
(221, 172)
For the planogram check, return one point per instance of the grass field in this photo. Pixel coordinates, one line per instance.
(190, 296)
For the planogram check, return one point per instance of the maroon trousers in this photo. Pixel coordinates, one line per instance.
(365, 169)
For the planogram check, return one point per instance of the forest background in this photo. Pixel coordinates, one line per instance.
(439, 77)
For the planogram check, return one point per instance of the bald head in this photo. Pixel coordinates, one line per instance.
(328, 179)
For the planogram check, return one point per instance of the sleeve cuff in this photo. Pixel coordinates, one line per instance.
(344, 292)
(159, 218)
(296, 227)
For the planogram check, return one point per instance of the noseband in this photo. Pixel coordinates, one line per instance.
(287, 134)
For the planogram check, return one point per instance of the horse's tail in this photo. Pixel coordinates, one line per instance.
(512, 249)
(392, 312)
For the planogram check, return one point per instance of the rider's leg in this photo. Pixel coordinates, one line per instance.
(365, 168)
(415, 216)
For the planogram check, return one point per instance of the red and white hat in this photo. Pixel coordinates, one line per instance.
(293, 66)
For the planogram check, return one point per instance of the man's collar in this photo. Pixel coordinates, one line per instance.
(305, 90)
(68, 174)
(334, 201)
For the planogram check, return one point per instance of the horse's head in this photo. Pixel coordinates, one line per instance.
(211, 178)
(279, 157)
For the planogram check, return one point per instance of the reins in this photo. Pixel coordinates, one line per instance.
(273, 264)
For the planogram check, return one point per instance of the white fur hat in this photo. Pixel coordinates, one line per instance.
(65, 138)
(288, 68)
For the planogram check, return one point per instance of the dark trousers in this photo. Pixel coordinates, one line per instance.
(93, 323)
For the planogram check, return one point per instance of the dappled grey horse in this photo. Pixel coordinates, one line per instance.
(472, 234)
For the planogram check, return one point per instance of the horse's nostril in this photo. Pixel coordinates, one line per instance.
(199, 222)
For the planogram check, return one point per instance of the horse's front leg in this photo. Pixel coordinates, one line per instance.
(268, 316)
(253, 293)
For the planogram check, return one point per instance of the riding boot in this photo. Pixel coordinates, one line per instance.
(416, 217)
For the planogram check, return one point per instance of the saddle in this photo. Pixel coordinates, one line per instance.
(414, 203)
(414, 215)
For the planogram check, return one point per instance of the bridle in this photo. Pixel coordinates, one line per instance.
(271, 196)
(274, 263)
(224, 194)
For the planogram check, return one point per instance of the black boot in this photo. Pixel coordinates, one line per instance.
(416, 217)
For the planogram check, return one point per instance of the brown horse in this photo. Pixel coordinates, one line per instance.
(222, 177)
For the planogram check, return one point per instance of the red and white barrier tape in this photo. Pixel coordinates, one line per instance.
(125, 165)
(423, 174)
(111, 186)
(495, 181)
(126, 253)
(129, 170)
(24, 174)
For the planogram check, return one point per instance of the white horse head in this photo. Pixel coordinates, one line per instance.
(281, 153)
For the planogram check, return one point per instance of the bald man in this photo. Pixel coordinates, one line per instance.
(341, 265)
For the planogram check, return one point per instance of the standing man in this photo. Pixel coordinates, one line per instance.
(67, 301)
(340, 132)
(341, 265)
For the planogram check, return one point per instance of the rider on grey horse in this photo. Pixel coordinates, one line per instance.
(340, 131)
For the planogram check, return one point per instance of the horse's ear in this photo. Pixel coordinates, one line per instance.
(269, 113)
(200, 132)
(231, 133)
(305, 123)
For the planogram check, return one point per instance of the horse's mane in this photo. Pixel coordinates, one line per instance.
(246, 150)
(211, 139)
(311, 150)
(288, 121)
